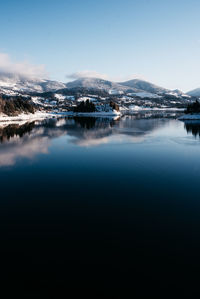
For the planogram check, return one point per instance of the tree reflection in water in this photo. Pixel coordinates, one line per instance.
(27, 140)
(86, 122)
(193, 127)
(13, 130)
(93, 122)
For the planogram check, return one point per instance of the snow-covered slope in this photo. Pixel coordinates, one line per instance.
(15, 83)
(145, 94)
(194, 93)
(145, 86)
(96, 83)
(141, 88)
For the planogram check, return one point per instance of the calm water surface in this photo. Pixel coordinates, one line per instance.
(100, 207)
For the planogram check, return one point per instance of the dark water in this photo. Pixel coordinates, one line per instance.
(106, 208)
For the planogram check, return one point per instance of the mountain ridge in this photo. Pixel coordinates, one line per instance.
(13, 84)
(194, 93)
(144, 85)
(97, 83)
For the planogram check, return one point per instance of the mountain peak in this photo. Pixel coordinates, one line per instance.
(144, 85)
(20, 83)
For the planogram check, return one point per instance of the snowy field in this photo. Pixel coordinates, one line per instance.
(44, 115)
(26, 117)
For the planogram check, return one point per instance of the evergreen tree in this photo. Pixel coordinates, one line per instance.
(85, 106)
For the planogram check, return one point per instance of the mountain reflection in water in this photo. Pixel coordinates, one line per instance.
(29, 139)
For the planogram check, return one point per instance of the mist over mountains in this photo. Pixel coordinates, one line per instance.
(19, 83)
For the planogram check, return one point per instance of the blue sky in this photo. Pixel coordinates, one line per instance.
(155, 40)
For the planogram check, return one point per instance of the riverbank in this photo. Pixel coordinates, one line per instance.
(26, 116)
(190, 117)
(44, 115)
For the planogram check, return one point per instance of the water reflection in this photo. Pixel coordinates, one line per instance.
(86, 122)
(193, 127)
(14, 130)
(129, 201)
(27, 140)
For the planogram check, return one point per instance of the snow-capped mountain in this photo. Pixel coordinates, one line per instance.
(11, 84)
(194, 92)
(129, 96)
(136, 87)
(144, 86)
(96, 83)
(14, 84)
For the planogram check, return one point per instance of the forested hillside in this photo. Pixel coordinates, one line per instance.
(14, 106)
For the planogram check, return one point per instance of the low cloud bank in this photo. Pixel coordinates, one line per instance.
(87, 74)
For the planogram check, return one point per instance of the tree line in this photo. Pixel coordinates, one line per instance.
(87, 106)
(193, 108)
(14, 106)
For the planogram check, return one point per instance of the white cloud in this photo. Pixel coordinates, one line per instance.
(8, 67)
(10, 153)
(94, 74)
(87, 74)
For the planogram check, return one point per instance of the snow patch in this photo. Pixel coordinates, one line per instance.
(144, 94)
(22, 117)
(84, 99)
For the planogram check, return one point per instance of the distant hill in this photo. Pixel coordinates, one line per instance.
(16, 83)
(194, 92)
(96, 83)
(144, 86)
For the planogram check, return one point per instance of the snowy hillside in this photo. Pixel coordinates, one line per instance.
(96, 83)
(52, 93)
(194, 93)
(137, 87)
(145, 86)
(12, 84)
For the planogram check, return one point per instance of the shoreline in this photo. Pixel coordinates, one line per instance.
(23, 116)
(46, 115)
(190, 117)
(41, 115)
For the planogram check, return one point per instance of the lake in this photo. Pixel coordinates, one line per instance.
(100, 206)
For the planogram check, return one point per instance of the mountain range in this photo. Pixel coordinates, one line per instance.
(16, 84)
